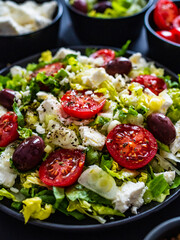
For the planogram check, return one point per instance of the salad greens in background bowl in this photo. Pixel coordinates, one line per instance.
(113, 26)
(25, 31)
(67, 112)
(165, 46)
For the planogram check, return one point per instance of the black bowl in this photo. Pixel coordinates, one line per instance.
(161, 49)
(166, 230)
(59, 221)
(107, 31)
(16, 47)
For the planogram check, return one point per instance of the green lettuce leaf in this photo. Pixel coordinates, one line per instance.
(92, 156)
(5, 193)
(19, 115)
(59, 196)
(156, 187)
(123, 49)
(24, 132)
(174, 111)
(102, 210)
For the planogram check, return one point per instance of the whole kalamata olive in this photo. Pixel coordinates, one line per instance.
(7, 98)
(161, 127)
(29, 153)
(120, 65)
(102, 6)
(80, 5)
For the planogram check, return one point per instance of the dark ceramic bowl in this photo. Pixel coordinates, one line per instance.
(161, 49)
(107, 31)
(60, 221)
(16, 47)
(166, 230)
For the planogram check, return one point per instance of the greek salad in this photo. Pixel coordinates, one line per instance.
(95, 135)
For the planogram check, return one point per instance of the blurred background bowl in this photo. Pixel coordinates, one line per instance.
(16, 47)
(161, 49)
(107, 31)
(166, 230)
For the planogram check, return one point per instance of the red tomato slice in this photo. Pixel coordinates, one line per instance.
(62, 168)
(8, 129)
(155, 84)
(164, 14)
(131, 146)
(106, 54)
(82, 104)
(176, 22)
(169, 35)
(49, 69)
(176, 32)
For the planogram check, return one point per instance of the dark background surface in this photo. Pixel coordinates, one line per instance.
(11, 228)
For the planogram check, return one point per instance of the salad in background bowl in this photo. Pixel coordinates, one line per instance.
(107, 26)
(108, 9)
(80, 135)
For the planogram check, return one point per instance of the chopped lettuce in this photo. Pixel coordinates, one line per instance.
(59, 196)
(92, 156)
(174, 111)
(7, 194)
(20, 116)
(24, 132)
(157, 189)
(32, 208)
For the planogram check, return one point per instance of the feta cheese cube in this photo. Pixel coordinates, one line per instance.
(130, 194)
(91, 137)
(61, 136)
(50, 106)
(7, 174)
(63, 52)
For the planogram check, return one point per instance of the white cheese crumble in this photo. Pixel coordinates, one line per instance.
(63, 52)
(48, 107)
(91, 137)
(62, 136)
(26, 17)
(7, 174)
(167, 101)
(168, 175)
(130, 194)
(94, 77)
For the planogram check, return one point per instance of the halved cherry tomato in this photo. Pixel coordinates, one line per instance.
(8, 129)
(62, 168)
(106, 54)
(164, 14)
(155, 84)
(169, 35)
(82, 104)
(176, 22)
(131, 146)
(49, 69)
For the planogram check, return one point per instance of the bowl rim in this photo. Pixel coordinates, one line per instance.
(163, 228)
(152, 31)
(149, 3)
(54, 20)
